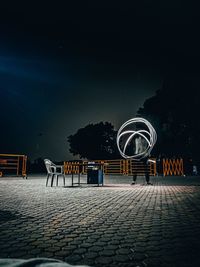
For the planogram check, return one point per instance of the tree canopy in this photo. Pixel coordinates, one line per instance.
(174, 112)
(94, 141)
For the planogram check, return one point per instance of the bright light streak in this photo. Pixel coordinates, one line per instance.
(150, 137)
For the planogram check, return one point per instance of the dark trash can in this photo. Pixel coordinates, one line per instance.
(94, 175)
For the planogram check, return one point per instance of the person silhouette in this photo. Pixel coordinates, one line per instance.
(140, 146)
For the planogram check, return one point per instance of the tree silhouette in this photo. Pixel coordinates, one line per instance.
(94, 141)
(174, 112)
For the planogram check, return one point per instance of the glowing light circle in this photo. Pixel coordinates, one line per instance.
(148, 136)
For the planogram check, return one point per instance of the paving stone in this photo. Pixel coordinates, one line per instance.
(91, 255)
(62, 253)
(75, 242)
(73, 259)
(86, 245)
(100, 243)
(139, 256)
(85, 261)
(123, 251)
(103, 260)
(114, 242)
(107, 252)
(95, 248)
(121, 258)
(116, 225)
(80, 251)
(17, 254)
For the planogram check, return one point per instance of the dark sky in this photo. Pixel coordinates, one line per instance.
(63, 66)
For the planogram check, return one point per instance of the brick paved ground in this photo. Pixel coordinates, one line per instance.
(114, 225)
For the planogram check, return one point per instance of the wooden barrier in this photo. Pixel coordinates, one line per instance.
(118, 167)
(11, 164)
(72, 167)
(139, 167)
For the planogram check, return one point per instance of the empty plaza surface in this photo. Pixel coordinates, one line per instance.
(114, 225)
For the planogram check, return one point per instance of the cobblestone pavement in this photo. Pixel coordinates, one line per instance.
(114, 225)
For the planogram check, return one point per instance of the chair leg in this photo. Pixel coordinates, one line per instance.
(57, 175)
(52, 179)
(47, 179)
(63, 179)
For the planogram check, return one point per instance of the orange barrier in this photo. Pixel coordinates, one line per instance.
(173, 167)
(72, 167)
(139, 168)
(13, 164)
(108, 166)
(118, 167)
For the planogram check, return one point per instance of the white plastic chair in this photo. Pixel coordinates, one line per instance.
(54, 170)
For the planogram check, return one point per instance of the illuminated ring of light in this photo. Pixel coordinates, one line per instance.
(151, 139)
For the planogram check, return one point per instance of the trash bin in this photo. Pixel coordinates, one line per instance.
(94, 174)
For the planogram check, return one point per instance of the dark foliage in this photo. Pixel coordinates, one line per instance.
(94, 141)
(174, 112)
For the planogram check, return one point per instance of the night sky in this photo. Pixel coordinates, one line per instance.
(63, 66)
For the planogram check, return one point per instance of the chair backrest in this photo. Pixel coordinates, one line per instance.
(48, 165)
